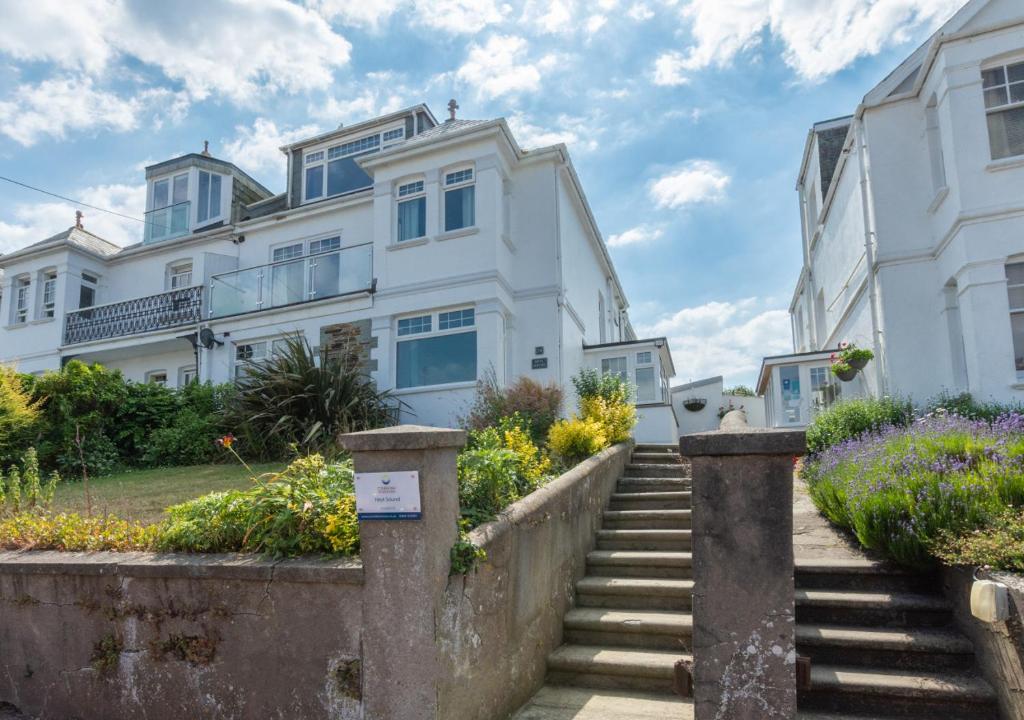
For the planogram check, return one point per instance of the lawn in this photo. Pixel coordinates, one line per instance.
(143, 495)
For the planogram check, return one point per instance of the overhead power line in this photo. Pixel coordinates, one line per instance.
(71, 200)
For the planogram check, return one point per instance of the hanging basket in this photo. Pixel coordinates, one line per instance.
(857, 363)
(847, 375)
(695, 404)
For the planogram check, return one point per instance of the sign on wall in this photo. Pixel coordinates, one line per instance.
(388, 495)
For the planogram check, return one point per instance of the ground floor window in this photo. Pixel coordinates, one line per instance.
(646, 388)
(615, 366)
(186, 375)
(427, 357)
(157, 377)
(825, 390)
(250, 353)
(1015, 295)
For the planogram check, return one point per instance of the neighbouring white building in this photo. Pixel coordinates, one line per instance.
(438, 251)
(912, 214)
(699, 405)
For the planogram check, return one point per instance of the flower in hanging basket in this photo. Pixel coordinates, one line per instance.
(852, 355)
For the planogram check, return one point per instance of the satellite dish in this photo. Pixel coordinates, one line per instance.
(207, 339)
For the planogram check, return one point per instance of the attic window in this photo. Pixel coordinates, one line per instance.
(334, 171)
(1003, 89)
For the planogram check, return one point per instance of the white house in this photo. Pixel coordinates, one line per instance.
(699, 405)
(912, 214)
(437, 251)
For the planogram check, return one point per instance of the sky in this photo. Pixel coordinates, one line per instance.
(686, 119)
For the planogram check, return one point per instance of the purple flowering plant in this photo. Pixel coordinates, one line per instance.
(903, 490)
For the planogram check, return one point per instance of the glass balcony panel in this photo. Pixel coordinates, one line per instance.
(288, 283)
(236, 292)
(357, 268)
(326, 275)
(167, 223)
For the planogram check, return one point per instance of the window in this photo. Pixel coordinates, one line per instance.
(314, 175)
(169, 214)
(87, 291)
(1003, 88)
(935, 158)
(789, 378)
(824, 390)
(1015, 294)
(186, 375)
(49, 294)
(394, 135)
(615, 366)
(325, 245)
(21, 290)
(249, 353)
(436, 358)
(157, 377)
(643, 358)
(179, 276)
(646, 389)
(459, 203)
(209, 196)
(412, 211)
(288, 279)
(336, 168)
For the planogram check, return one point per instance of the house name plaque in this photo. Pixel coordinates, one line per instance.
(388, 495)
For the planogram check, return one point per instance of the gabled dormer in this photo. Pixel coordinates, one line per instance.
(326, 166)
(193, 193)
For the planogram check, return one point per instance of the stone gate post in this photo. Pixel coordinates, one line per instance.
(405, 566)
(743, 615)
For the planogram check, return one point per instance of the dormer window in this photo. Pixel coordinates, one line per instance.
(209, 196)
(168, 217)
(333, 171)
(392, 136)
(314, 175)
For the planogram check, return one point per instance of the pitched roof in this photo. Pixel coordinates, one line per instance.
(74, 237)
(446, 128)
(830, 147)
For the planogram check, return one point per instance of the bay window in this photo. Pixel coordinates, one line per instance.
(446, 355)
(1003, 88)
(87, 291)
(615, 366)
(412, 211)
(459, 199)
(49, 303)
(21, 290)
(209, 196)
(646, 388)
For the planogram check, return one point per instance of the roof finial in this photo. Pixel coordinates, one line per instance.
(78, 220)
(452, 107)
(206, 148)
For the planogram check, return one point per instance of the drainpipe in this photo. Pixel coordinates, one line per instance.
(870, 236)
(560, 298)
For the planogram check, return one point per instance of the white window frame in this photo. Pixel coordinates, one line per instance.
(606, 366)
(152, 375)
(654, 384)
(645, 357)
(179, 275)
(1014, 311)
(20, 300)
(47, 287)
(433, 320)
(453, 181)
(321, 155)
(170, 180)
(183, 375)
(1010, 104)
(220, 197)
(268, 346)
(415, 190)
(91, 281)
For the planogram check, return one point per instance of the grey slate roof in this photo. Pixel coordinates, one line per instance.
(830, 146)
(75, 237)
(446, 128)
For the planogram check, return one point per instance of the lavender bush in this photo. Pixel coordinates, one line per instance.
(902, 490)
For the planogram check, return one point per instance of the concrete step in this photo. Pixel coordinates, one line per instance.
(656, 447)
(644, 564)
(861, 575)
(655, 500)
(868, 647)
(641, 458)
(644, 539)
(634, 593)
(900, 694)
(556, 702)
(644, 484)
(614, 668)
(645, 629)
(664, 470)
(874, 609)
(646, 519)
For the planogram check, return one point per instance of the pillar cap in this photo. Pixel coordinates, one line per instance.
(752, 441)
(403, 437)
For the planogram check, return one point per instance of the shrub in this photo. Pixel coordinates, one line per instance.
(187, 440)
(71, 532)
(19, 415)
(966, 406)
(291, 399)
(577, 439)
(616, 417)
(740, 390)
(900, 489)
(999, 545)
(852, 418)
(488, 482)
(591, 383)
(307, 508)
(538, 405)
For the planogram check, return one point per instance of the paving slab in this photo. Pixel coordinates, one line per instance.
(570, 703)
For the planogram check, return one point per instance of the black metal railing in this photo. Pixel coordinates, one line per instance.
(131, 317)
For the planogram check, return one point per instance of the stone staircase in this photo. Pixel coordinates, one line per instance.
(883, 644)
(632, 620)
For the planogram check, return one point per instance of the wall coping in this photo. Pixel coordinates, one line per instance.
(534, 506)
(216, 566)
(752, 441)
(403, 437)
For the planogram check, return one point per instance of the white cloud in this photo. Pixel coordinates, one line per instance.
(723, 338)
(819, 37)
(639, 12)
(551, 17)
(232, 49)
(595, 23)
(639, 235)
(696, 181)
(501, 67)
(32, 222)
(384, 93)
(56, 106)
(358, 13)
(460, 16)
(577, 133)
(256, 148)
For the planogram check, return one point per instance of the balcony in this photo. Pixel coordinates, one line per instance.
(167, 223)
(330, 274)
(131, 317)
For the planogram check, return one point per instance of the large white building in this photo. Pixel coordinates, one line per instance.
(912, 215)
(438, 251)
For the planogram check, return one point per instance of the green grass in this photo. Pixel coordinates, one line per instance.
(143, 495)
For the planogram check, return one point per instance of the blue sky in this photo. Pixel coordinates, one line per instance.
(686, 119)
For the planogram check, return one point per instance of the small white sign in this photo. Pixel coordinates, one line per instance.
(388, 495)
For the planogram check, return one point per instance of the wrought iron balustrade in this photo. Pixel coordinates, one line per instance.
(131, 317)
